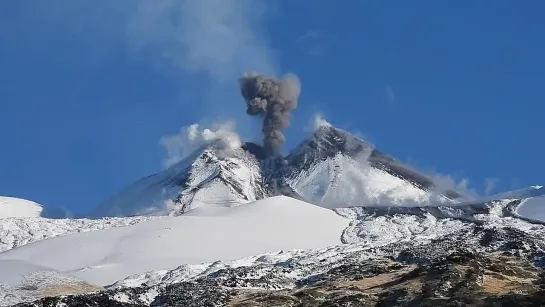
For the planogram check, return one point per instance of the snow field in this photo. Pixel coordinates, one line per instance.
(105, 256)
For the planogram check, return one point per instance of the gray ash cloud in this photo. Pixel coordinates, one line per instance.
(273, 99)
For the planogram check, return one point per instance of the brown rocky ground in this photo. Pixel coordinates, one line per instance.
(463, 278)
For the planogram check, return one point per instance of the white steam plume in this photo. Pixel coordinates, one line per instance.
(192, 137)
(318, 120)
(490, 185)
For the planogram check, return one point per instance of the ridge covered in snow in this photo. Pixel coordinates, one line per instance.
(335, 169)
(205, 234)
(331, 168)
(207, 176)
(531, 191)
(16, 207)
(15, 232)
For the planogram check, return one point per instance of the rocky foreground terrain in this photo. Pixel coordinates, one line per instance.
(477, 265)
(462, 278)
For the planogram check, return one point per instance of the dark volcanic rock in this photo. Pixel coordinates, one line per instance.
(461, 278)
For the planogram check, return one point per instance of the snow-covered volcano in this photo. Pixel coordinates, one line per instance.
(331, 168)
(229, 227)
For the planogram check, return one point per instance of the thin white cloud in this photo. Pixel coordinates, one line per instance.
(490, 185)
(318, 120)
(313, 42)
(389, 95)
(221, 38)
(194, 136)
(310, 35)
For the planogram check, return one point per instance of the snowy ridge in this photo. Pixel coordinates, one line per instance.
(205, 234)
(532, 209)
(206, 176)
(15, 232)
(223, 181)
(373, 233)
(336, 169)
(379, 225)
(16, 207)
(532, 191)
(331, 168)
(341, 181)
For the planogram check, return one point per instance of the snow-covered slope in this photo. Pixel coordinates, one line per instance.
(532, 191)
(336, 169)
(331, 168)
(16, 207)
(533, 208)
(206, 234)
(206, 176)
(373, 232)
(15, 232)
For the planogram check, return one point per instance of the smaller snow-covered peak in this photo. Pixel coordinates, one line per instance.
(16, 207)
(213, 174)
(327, 141)
(336, 168)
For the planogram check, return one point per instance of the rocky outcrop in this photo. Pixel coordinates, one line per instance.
(461, 278)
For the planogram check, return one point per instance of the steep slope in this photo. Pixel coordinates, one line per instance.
(205, 234)
(336, 169)
(331, 168)
(16, 207)
(208, 176)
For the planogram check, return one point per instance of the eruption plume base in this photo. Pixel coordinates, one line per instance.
(273, 99)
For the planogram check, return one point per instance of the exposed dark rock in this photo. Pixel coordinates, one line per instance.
(461, 278)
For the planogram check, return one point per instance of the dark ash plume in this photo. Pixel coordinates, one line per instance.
(273, 99)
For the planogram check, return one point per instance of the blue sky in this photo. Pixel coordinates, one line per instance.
(88, 88)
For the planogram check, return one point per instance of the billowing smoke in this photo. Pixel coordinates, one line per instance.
(192, 137)
(273, 99)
